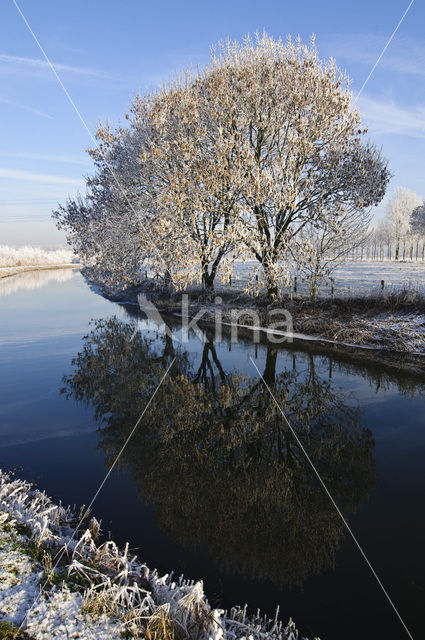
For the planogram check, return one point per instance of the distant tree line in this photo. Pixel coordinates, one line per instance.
(400, 235)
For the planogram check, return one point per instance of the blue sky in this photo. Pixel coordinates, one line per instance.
(106, 51)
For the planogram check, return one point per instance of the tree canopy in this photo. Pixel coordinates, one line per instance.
(417, 220)
(235, 159)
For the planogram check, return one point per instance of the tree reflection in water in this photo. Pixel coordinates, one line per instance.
(214, 456)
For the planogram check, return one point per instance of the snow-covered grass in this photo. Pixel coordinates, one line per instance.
(351, 278)
(362, 278)
(34, 256)
(395, 331)
(97, 590)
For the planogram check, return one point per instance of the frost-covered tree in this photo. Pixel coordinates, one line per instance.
(417, 230)
(382, 238)
(106, 226)
(321, 247)
(188, 181)
(280, 125)
(128, 215)
(398, 212)
(417, 220)
(240, 156)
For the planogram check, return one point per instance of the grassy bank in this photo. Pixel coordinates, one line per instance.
(16, 260)
(393, 322)
(63, 583)
(6, 272)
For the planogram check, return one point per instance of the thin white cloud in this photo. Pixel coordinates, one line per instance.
(13, 174)
(37, 112)
(11, 63)
(385, 117)
(78, 160)
(405, 54)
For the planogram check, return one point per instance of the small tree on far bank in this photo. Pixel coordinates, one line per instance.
(321, 248)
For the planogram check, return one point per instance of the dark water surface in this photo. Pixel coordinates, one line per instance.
(213, 485)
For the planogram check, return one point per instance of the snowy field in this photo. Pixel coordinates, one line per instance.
(367, 276)
(356, 278)
(364, 275)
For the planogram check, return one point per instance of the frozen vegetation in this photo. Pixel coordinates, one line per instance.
(228, 162)
(34, 256)
(98, 590)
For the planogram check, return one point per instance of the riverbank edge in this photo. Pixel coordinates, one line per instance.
(8, 272)
(98, 590)
(394, 339)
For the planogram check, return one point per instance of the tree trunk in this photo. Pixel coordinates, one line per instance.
(271, 283)
(208, 281)
(167, 278)
(207, 276)
(272, 291)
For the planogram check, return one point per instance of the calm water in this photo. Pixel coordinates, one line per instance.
(212, 484)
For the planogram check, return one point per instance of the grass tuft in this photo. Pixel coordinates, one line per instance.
(100, 603)
(8, 631)
(161, 627)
